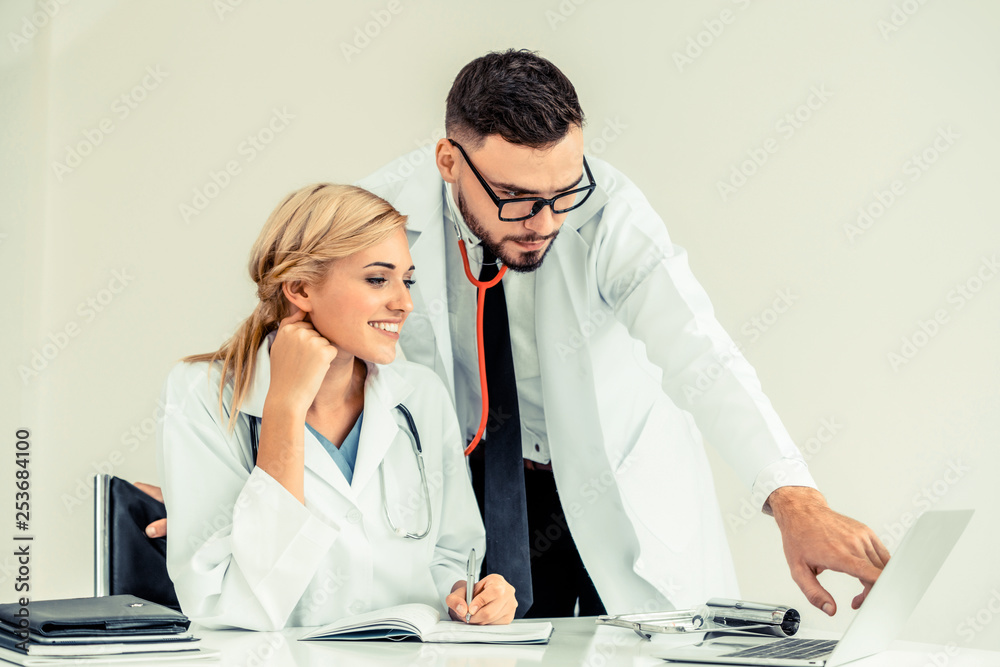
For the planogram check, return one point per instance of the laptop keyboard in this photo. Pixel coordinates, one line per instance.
(796, 649)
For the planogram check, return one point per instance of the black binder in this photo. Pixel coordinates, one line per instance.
(114, 615)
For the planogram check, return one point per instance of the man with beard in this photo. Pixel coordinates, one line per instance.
(591, 476)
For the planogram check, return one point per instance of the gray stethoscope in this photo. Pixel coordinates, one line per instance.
(418, 453)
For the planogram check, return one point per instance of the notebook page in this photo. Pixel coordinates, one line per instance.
(416, 618)
(515, 633)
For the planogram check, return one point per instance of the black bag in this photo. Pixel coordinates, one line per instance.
(138, 563)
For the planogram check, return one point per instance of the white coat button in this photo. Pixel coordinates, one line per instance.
(354, 516)
(357, 607)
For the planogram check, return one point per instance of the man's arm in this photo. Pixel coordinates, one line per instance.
(815, 538)
(647, 281)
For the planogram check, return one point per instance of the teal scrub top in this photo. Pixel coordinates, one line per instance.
(346, 455)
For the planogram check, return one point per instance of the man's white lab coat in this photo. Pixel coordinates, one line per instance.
(629, 351)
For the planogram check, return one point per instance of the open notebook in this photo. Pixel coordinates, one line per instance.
(423, 622)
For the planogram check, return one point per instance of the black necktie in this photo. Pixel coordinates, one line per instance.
(502, 487)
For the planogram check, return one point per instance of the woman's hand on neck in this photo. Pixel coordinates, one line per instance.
(342, 392)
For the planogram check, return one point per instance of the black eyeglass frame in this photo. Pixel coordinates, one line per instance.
(540, 202)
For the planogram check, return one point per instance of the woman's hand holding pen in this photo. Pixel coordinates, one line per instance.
(493, 604)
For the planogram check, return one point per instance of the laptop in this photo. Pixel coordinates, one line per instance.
(879, 621)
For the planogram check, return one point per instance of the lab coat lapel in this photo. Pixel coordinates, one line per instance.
(420, 200)
(253, 403)
(384, 390)
(572, 416)
(561, 304)
(319, 461)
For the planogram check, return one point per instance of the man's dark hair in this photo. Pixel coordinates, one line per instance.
(515, 93)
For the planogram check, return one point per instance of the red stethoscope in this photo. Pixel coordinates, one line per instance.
(481, 286)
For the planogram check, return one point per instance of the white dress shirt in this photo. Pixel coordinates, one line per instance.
(519, 293)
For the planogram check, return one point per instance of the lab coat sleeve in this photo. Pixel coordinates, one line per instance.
(461, 525)
(241, 548)
(647, 281)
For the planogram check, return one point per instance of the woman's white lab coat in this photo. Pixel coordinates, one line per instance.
(243, 552)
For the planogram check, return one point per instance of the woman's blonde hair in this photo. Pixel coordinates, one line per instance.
(313, 227)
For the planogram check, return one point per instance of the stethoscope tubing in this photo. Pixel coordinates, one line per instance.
(481, 286)
(414, 436)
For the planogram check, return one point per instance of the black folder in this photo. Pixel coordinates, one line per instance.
(114, 615)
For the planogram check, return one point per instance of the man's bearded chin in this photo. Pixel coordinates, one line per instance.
(516, 260)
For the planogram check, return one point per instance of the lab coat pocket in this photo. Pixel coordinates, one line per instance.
(659, 480)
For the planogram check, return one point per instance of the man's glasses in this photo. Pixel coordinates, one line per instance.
(522, 208)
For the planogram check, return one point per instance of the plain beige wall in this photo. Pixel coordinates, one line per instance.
(165, 94)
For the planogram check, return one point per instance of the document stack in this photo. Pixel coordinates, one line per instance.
(116, 628)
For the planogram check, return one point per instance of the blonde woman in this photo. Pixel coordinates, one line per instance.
(331, 515)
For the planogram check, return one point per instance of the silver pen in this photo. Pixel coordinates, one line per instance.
(470, 581)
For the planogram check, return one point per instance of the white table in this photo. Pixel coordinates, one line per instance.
(575, 641)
